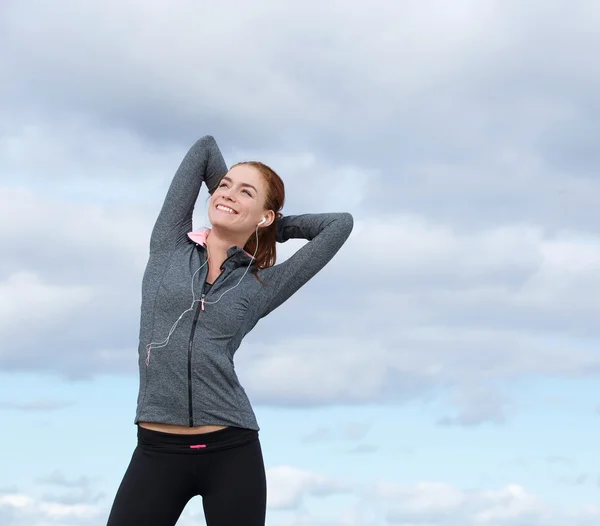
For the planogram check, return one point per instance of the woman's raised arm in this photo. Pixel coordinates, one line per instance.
(326, 233)
(203, 163)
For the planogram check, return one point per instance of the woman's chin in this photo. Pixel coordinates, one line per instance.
(225, 223)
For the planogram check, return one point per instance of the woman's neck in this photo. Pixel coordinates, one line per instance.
(219, 242)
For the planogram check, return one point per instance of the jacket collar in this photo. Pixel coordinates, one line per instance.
(236, 256)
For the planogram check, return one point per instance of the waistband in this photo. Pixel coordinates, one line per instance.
(226, 438)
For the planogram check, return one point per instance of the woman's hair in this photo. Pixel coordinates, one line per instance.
(266, 255)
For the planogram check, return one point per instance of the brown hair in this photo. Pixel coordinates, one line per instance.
(266, 255)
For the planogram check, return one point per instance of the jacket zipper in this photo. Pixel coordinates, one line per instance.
(190, 348)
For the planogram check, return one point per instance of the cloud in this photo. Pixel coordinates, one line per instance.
(8, 490)
(217, 77)
(77, 503)
(57, 478)
(439, 504)
(473, 367)
(78, 491)
(480, 405)
(289, 486)
(22, 290)
(88, 262)
(74, 241)
(61, 315)
(461, 119)
(366, 503)
(74, 498)
(317, 371)
(378, 87)
(23, 510)
(40, 405)
(74, 156)
(424, 503)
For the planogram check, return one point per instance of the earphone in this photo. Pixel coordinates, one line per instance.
(156, 345)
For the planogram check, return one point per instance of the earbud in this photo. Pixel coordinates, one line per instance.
(263, 220)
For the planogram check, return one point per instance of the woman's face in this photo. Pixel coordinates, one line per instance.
(238, 202)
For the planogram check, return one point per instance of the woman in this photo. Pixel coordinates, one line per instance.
(201, 294)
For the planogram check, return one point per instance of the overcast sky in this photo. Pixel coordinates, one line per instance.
(442, 370)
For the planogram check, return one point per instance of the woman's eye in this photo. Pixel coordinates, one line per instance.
(247, 192)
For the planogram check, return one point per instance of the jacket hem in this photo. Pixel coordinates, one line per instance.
(202, 417)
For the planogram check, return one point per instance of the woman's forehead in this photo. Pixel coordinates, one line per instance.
(243, 173)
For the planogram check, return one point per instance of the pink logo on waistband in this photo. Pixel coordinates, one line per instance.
(199, 446)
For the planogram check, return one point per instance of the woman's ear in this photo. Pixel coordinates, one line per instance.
(267, 219)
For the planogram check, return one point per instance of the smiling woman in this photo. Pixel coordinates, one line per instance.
(197, 432)
(253, 189)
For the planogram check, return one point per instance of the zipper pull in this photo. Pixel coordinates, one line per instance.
(202, 302)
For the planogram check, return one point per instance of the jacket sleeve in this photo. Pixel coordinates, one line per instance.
(203, 163)
(326, 233)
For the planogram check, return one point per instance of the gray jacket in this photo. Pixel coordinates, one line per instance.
(190, 380)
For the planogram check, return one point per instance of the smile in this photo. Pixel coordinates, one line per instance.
(224, 208)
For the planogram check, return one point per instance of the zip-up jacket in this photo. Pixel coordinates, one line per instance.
(191, 380)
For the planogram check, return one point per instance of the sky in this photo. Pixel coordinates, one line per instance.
(442, 370)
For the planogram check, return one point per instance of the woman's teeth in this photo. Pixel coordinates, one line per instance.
(226, 209)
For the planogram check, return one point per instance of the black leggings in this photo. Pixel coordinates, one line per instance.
(225, 467)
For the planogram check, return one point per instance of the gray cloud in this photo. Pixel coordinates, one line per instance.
(482, 406)
(380, 88)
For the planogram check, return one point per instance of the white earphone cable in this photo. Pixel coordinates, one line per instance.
(158, 345)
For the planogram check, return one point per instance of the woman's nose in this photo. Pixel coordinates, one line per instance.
(229, 194)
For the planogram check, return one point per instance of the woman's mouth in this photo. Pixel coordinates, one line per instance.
(226, 209)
